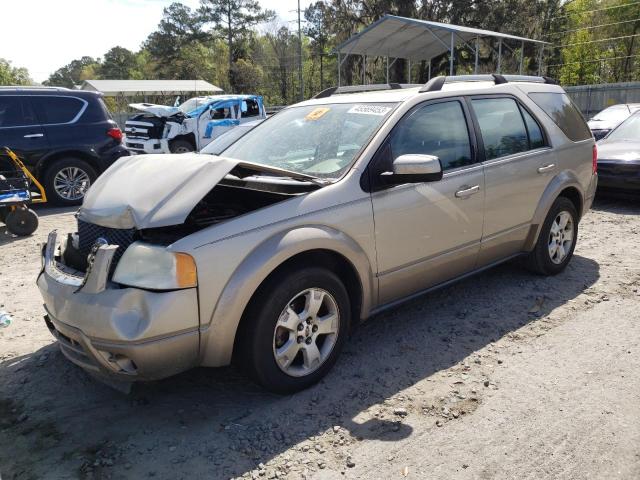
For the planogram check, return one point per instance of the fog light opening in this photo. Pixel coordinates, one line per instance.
(122, 362)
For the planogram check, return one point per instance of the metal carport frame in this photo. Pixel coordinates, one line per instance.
(417, 40)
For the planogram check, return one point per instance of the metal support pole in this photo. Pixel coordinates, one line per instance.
(409, 75)
(475, 68)
(499, 55)
(429, 69)
(451, 55)
(521, 56)
(541, 55)
(339, 64)
(364, 69)
(387, 59)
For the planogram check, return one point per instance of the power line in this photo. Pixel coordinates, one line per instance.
(592, 27)
(597, 10)
(597, 41)
(592, 61)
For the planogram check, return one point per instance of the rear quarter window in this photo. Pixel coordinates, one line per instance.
(563, 113)
(55, 110)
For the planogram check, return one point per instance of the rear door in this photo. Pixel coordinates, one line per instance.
(249, 110)
(428, 233)
(59, 115)
(518, 165)
(20, 129)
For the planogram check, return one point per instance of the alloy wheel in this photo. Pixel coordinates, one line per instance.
(306, 332)
(71, 183)
(561, 237)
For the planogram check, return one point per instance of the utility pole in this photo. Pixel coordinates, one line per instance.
(300, 56)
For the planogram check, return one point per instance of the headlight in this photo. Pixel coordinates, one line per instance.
(155, 268)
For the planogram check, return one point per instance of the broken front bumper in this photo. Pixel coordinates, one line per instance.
(151, 145)
(122, 333)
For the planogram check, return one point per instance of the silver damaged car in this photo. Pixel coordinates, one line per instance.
(323, 215)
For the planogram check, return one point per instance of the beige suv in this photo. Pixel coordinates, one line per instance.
(328, 212)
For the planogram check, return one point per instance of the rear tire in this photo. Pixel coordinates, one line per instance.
(281, 350)
(181, 146)
(22, 222)
(67, 180)
(557, 239)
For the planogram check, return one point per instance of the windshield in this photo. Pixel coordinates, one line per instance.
(318, 140)
(192, 104)
(619, 112)
(628, 130)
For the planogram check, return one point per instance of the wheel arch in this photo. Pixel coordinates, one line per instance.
(292, 249)
(565, 184)
(45, 163)
(188, 137)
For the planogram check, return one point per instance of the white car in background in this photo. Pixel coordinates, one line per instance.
(190, 126)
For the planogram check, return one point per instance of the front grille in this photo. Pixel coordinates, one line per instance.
(88, 233)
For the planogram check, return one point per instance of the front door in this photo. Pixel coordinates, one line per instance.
(216, 121)
(21, 131)
(428, 233)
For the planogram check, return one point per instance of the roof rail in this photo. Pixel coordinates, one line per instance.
(31, 87)
(436, 83)
(361, 88)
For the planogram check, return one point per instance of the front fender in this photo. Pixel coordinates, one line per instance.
(560, 182)
(219, 335)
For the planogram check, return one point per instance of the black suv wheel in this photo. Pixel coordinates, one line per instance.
(67, 180)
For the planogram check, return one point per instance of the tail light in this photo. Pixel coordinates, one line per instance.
(115, 133)
(594, 165)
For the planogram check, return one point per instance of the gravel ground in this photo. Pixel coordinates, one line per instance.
(503, 375)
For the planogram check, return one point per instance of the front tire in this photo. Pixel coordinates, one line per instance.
(67, 180)
(181, 146)
(557, 239)
(294, 329)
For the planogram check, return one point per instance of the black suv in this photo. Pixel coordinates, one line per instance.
(65, 137)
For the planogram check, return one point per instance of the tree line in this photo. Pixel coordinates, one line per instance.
(241, 47)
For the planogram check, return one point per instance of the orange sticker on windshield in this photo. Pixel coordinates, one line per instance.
(317, 113)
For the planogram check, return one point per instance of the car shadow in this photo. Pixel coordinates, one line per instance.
(618, 203)
(216, 421)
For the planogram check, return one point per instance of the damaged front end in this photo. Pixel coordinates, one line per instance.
(120, 301)
(152, 130)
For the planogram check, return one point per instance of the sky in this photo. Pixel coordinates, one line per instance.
(44, 35)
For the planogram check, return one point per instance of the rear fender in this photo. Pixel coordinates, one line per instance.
(560, 182)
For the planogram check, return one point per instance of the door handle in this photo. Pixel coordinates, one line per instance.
(467, 191)
(547, 168)
(34, 135)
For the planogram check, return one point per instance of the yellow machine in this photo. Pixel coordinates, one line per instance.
(16, 194)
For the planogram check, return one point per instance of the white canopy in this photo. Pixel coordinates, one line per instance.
(417, 40)
(130, 88)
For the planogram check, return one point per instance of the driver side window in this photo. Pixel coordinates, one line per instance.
(438, 129)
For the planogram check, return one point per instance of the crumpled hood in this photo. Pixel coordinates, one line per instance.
(157, 110)
(618, 150)
(150, 191)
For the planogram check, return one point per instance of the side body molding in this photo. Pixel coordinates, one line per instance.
(562, 180)
(217, 338)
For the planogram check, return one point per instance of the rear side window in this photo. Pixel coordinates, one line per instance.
(53, 110)
(502, 127)
(562, 111)
(15, 112)
(438, 129)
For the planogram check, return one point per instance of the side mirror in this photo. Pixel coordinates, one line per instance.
(414, 168)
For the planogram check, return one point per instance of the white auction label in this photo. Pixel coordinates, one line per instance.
(369, 109)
